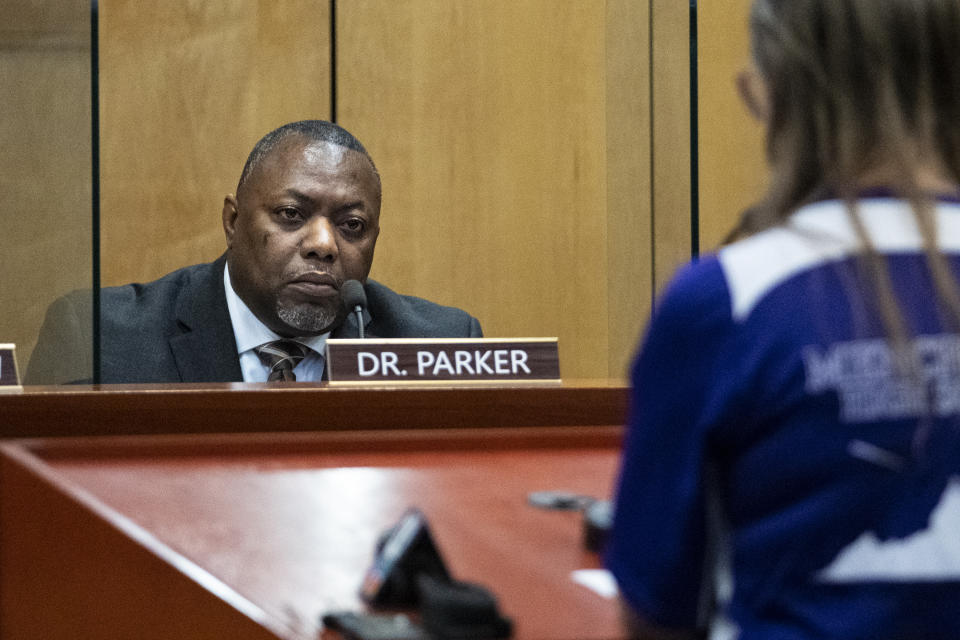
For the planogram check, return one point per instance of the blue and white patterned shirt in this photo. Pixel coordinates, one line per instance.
(785, 475)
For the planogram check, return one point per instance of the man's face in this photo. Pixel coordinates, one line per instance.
(305, 221)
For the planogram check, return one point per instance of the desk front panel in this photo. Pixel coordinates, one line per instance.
(134, 409)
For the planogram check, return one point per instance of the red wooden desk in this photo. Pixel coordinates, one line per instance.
(255, 536)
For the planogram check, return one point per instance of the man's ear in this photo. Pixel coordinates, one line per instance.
(755, 93)
(230, 213)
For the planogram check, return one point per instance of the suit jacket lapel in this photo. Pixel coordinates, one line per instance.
(206, 351)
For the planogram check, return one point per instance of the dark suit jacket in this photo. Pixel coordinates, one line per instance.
(178, 329)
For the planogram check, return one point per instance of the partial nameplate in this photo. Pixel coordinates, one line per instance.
(425, 360)
(9, 377)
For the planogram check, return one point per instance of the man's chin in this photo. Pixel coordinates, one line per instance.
(309, 319)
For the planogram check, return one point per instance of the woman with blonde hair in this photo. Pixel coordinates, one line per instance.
(792, 462)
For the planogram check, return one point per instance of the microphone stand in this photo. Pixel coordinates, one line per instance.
(359, 311)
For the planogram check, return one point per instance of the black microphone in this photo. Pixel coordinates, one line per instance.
(355, 300)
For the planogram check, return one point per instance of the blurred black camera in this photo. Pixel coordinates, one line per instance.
(403, 553)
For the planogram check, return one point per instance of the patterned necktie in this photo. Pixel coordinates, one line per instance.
(281, 356)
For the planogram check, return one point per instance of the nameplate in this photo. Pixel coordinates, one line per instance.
(9, 378)
(456, 360)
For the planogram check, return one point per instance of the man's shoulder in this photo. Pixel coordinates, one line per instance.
(136, 319)
(381, 295)
(395, 315)
(165, 288)
(152, 331)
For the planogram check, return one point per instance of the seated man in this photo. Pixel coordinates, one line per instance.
(305, 219)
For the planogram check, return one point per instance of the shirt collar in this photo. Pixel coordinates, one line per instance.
(249, 331)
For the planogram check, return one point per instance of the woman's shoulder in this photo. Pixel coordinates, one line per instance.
(696, 295)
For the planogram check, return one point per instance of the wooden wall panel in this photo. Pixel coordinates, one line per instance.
(45, 24)
(629, 179)
(733, 171)
(187, 88)
(670, 148)
(488, 121)
(45, 211)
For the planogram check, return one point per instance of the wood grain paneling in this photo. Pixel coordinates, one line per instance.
(671, 137)
(733, 171)
(629, 179)
(45, 24)
(45, 210)
(187, 88)
(489, 124)
(731, 163)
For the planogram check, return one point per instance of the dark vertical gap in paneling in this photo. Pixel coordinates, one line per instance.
(694, 138)
(95, 181)
(333, 60)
